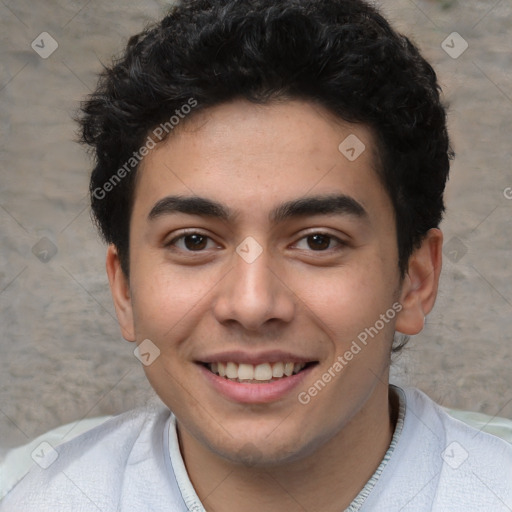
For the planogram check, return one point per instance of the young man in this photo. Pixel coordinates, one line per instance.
(269, 176)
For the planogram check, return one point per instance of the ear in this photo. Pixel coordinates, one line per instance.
(419, 288)
(120, 289)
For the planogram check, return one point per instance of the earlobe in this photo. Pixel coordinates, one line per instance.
(120, 290)
(419, 288)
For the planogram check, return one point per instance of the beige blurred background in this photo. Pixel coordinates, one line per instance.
(62, 357)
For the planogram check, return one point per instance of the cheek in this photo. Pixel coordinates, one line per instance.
(162, 300)
(347, 300)
(171, 303)
(345, 293)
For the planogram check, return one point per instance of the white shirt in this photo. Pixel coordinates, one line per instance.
(132, 463)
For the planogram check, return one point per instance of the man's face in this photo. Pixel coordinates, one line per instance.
(264, 286)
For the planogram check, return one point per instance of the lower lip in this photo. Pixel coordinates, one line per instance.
(255, 393)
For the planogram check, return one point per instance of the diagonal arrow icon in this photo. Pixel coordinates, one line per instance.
(455, 249)
(351, 147)
(454, 455)
(44, 250)
(44, 45)
(44, 455)
(249, 249)
(454, 45)
(146, 352)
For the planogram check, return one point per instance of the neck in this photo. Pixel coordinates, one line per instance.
(327, 480)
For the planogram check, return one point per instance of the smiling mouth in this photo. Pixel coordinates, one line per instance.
(259, 373)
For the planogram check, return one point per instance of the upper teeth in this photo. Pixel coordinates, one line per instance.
(263, 372)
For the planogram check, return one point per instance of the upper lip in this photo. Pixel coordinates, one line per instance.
(272, 356)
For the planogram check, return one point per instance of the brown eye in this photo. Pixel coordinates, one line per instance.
(190, 242)
(319, 241)
(193, 242)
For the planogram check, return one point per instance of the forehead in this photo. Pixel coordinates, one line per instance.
(253, 158)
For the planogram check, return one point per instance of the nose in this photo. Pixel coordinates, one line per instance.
(254, 295)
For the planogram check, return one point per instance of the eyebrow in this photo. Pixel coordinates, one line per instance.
(336, 204)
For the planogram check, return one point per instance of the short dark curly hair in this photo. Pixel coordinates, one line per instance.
(341, 54)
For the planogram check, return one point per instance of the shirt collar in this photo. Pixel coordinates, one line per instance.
(194, 504)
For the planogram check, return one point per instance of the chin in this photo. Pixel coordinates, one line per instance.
(265, 451)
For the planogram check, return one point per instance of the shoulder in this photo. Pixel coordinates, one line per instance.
(100, 467)
(440, 463)
(472, 469)
(422, 409)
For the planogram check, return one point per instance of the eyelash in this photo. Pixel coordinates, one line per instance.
(341, 243)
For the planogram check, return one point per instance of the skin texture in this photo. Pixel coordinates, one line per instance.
(294, 297)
